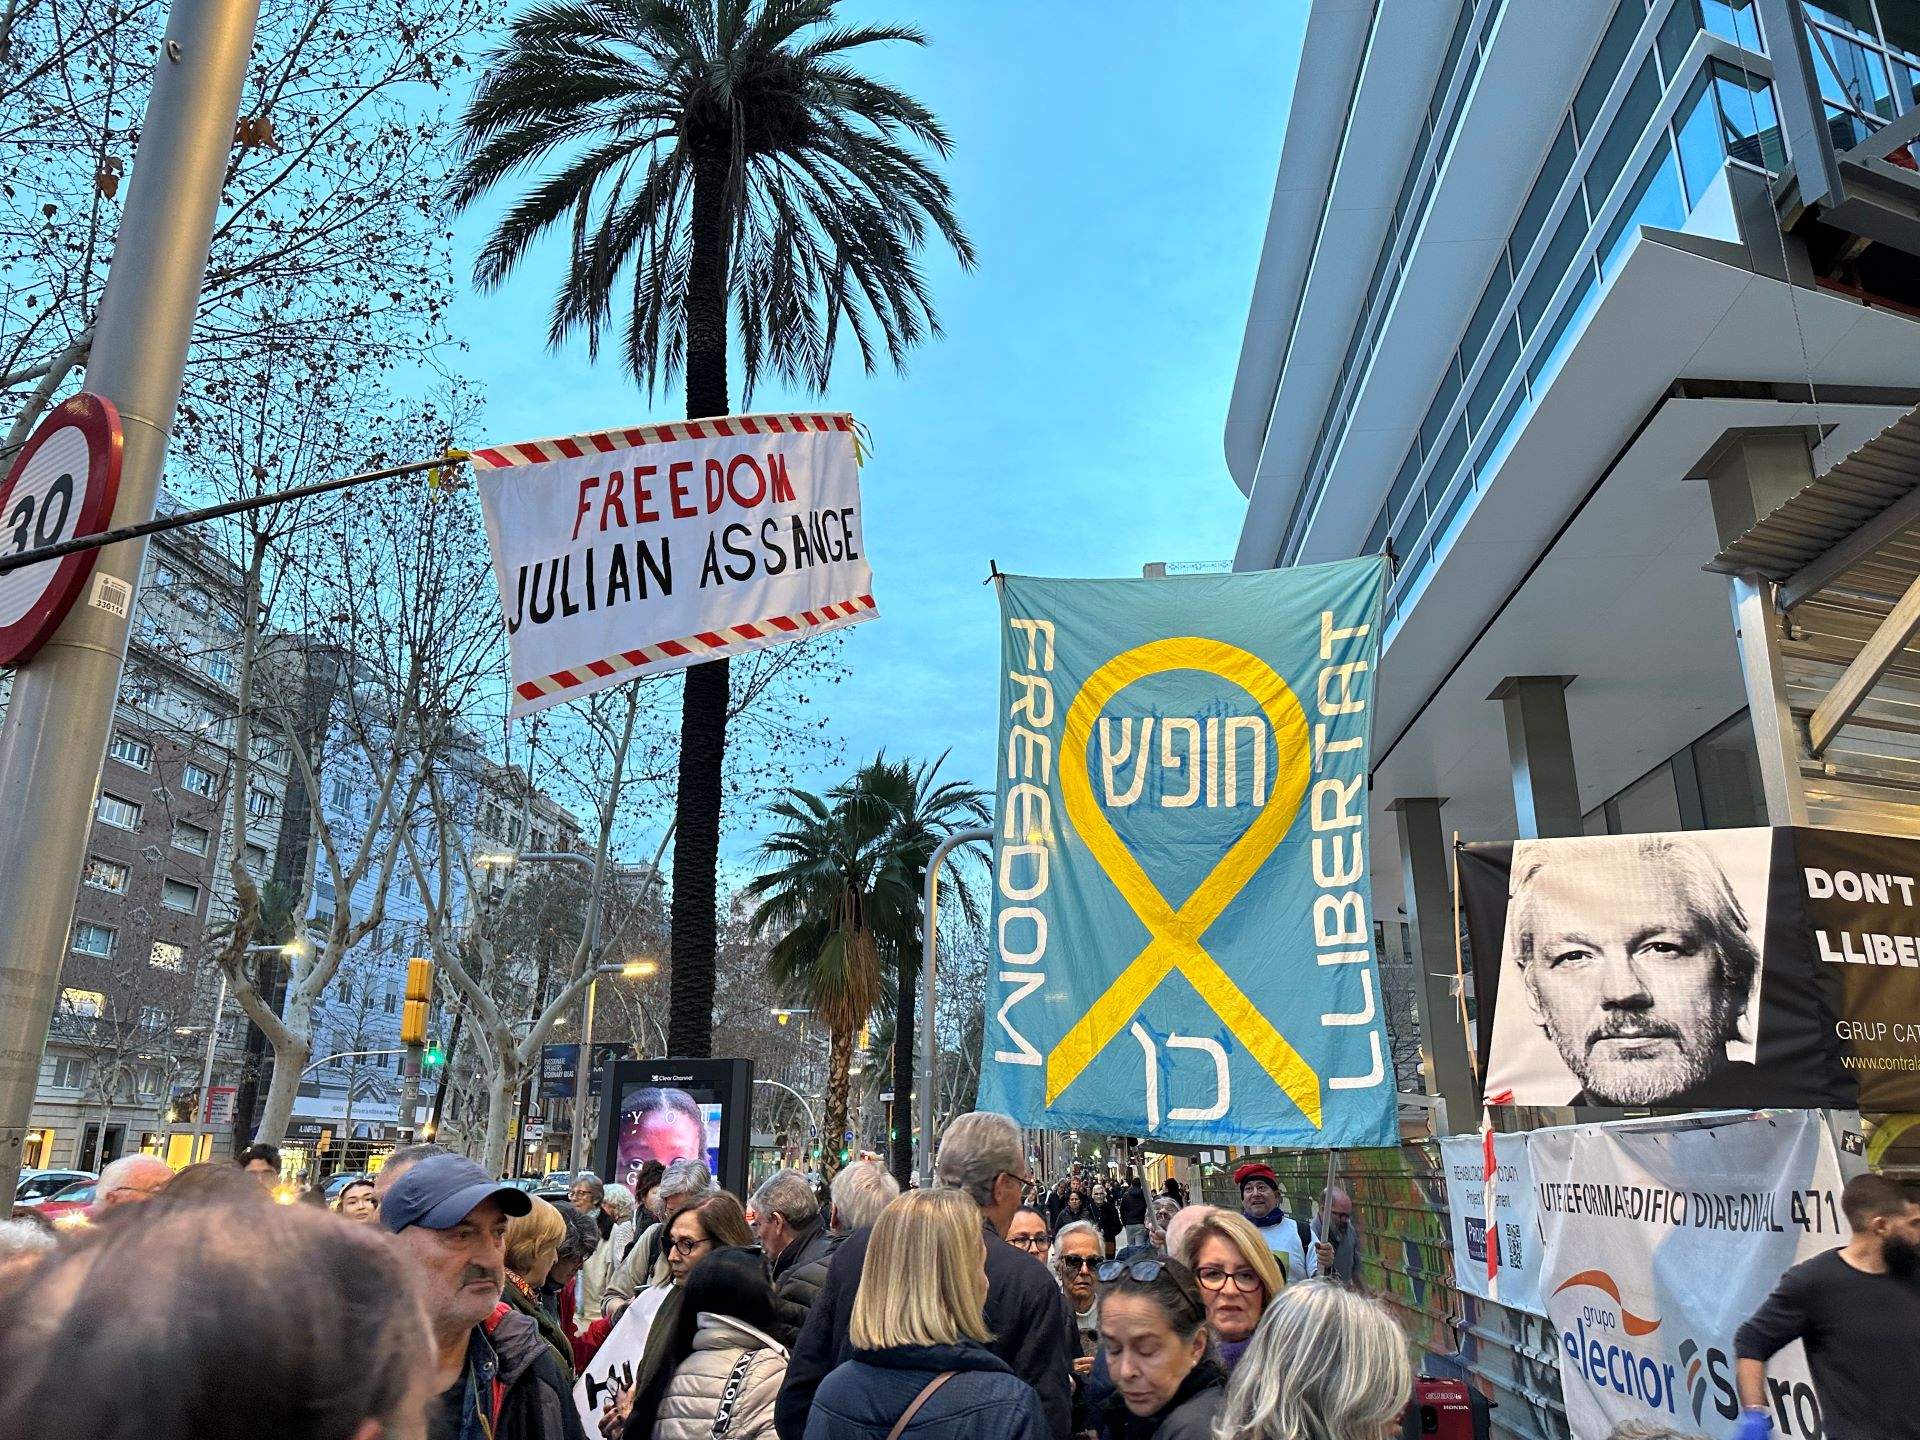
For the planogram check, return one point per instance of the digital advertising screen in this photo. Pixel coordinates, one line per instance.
(668, 1110)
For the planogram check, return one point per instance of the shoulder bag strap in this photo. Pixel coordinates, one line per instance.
(730, 1397)
(906, 1419)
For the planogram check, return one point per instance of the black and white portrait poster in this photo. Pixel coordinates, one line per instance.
(1696, 970)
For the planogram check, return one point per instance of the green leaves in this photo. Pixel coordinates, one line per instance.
(828, 192)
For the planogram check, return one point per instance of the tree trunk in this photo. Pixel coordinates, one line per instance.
(289, 1059)
(703, 706)
(900, 1142)
(833, 1126)
(501, 1084)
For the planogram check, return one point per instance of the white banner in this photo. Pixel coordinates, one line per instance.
(1514, 1234)
(1662, 1238)
(615, 1363)
(628, 552)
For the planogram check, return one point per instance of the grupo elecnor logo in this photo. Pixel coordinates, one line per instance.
(1616, 1349)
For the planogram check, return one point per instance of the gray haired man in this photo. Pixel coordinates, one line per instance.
(983, 1156)
(860, 1192)
(793, 1232)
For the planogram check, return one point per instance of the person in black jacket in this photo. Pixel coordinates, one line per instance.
(980, 1155)
(1105, 1214)
(1132, 1205)
(920, 1358)
(788, 1223)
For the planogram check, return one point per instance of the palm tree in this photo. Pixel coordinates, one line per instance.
(917, 810)
(818, 894)
(707, 155)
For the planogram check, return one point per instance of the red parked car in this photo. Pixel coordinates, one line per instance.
(74, 1200)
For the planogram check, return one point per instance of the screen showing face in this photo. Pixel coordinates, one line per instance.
(668, 1124)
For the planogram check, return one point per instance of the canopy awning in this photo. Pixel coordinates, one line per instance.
(1854, 531)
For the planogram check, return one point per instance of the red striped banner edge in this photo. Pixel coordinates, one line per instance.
(706, 642)
(572, 447)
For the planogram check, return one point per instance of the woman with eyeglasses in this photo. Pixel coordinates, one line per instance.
(1029, 1231)
(696, 1232)
(1238, 1279)
(1153, 1329)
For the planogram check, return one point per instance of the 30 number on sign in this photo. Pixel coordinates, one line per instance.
(34, 523)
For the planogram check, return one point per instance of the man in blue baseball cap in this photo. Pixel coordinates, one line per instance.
(497, 1378)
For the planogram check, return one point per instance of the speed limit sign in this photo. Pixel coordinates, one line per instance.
(61, 486)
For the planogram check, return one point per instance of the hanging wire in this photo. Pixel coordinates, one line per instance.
(1779, 235)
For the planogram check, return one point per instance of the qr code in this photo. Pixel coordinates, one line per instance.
(1513, 1243)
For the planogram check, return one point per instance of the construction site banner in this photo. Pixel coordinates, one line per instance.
(1662, 1238)
(1496, 1225)
(1182, 915)
(623, 553)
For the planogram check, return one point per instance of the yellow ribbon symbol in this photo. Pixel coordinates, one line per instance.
(1174, 942)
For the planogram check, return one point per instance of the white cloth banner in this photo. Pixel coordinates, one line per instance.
(1662, 1238)
(1514, 1233)
(617, 1360)
(628, 552)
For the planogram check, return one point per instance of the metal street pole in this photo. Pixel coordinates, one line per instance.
(930, 945)
(583, 1064)
(55, 734)
(205, 1117)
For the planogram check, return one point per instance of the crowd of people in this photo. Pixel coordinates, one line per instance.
(437, 1301)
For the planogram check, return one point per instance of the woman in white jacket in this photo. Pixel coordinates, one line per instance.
(723, 1369)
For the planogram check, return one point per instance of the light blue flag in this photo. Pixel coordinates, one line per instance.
(1183, 921)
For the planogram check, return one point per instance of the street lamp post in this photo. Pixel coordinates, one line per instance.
(55, 734)
(929, 941)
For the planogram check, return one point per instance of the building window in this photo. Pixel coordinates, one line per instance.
(220, 666)
(200, 780)
(256, 860)
(339, 795)
(121, 814)
(194, 839)
(93, 938)
(260, 804)
(168, 956)
(131, 750)
(152, 1017)
(69, 1073)
(1728, 764)
(86, 1003)
(108, 875)
(390, 1002)
(179, 895)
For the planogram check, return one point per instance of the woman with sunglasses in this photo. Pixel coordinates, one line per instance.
(1239, 1278)
(1077, 1254)
(1153, 1328)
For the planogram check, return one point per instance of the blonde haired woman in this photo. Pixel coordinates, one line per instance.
(921, 1369)
(1238, 1276)
(1326, 1364)
(533, 1244)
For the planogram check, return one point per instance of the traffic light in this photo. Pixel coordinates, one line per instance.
(434, 1057)
(413, 1017)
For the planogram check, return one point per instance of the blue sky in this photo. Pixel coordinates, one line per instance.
(1114, 163)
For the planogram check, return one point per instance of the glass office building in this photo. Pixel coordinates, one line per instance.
(1528, 265)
